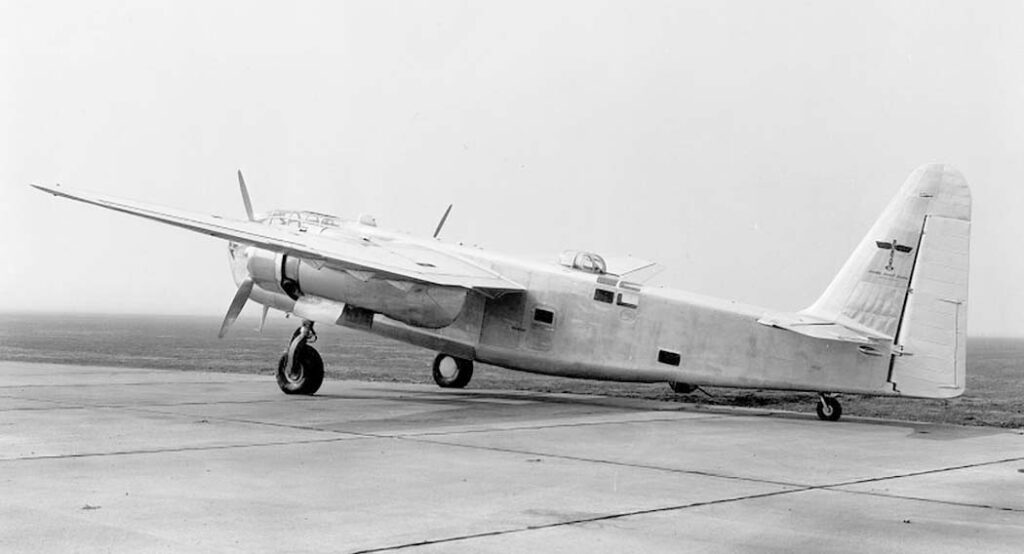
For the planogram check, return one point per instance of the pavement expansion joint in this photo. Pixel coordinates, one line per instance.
(582, 521)
(127, 384)
(539, 427)
(314, 428)
(794, 486)
(620, 515)
(836, 487)
(930, 500)
(44, 408)
(925, 472)
(171, 450)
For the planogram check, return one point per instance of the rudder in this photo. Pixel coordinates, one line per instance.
(929, 356)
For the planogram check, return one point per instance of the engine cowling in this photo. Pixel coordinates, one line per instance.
(264, 267)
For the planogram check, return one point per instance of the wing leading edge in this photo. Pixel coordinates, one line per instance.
(397, 260)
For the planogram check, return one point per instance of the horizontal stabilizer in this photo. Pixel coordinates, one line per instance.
(633, 269)
(819, 329)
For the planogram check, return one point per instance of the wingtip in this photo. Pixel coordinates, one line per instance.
(44, 188)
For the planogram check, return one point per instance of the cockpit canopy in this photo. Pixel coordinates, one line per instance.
(300, 218)
(583, 261)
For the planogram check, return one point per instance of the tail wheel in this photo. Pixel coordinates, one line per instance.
(451, 372)
(829, 408)
(306, 374)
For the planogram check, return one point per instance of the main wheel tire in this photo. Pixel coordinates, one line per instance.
(681, 388)
(829, 409)
(451, 372)
(306, 375)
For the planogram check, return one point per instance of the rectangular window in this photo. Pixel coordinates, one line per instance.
(670, 358)
(605, 296)
(629, 299)
(544, 316)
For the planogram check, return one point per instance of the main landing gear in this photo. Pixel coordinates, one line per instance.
(300, 369)
(451, 372)
(829, 408)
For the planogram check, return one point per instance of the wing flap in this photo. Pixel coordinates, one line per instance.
(389, 260)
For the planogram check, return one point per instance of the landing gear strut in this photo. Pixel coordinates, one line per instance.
(300, 369)
(451, 372)
(829, 408)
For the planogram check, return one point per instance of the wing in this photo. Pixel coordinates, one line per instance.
(390, 259)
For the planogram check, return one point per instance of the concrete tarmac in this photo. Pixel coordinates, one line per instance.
(136, 460)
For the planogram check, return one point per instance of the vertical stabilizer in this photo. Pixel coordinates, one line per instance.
(907, 282)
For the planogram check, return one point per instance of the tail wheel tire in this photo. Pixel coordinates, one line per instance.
(306, 374)
(451, 372)
(829, 409)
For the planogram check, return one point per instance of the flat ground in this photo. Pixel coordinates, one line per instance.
(127, 460)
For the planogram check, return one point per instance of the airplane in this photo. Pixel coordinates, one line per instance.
(891, 323)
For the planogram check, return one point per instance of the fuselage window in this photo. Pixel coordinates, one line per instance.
(670, 358)
(541, 315)
(629, 299)
(605, 296)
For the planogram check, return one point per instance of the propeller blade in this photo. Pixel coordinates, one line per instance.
(443, 219)
(236, 306)
(245, 196)
(263, 318)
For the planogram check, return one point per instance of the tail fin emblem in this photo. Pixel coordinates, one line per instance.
(893, 247)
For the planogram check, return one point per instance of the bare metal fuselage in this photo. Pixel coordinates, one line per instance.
(650, 334)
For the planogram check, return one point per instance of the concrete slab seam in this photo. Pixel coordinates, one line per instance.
(543, 427)
(924, 472)
(579, 521)
(930, 500)
(173, 450)
(567, 457)
(129, 384)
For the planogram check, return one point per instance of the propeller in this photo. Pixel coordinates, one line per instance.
(245, 287)
(245, 196)
(443, 219)
(263, 318)
(237, 303)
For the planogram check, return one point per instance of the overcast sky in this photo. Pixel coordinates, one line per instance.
(747, 146)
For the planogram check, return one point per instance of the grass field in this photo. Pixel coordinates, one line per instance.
(995, 366)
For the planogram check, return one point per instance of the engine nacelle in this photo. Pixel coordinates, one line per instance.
(416, 304)
(273, 271)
